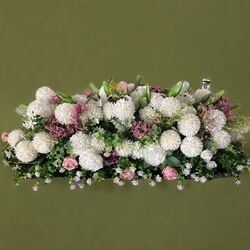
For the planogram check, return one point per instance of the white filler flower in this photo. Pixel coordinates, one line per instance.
(14, 137)
(40, 108)
(216, 120)
(191, 146)
(90, 160)
(170, 140)
(206, 155)
(25, 152)
(222, 139)
(200, 93)
(63, 113)
(42, 142)
(45, 93)
(211, 165)
(189, 125)
(80, 142)
(154, 155)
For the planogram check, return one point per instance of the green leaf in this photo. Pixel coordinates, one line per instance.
(106, 88)
(66, 98)
(173, 161)
(94, 88)
(148, 93)
(175, 90)
(142, 102)
(205, 98)
(220, 94)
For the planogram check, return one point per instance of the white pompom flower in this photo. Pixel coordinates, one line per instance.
(189, 125)
(40, 108)
(125, 149)
(80, 142)
(154, 155)
(200, 93)
(25, 152)
(90, 160)
(169, 106)
(43, 142)
(148, 114)
(63, 113)
(191, 146)
(222, 139)
(170, 140)
(206, 155)
(45, 93)
(211, 165)
(215, 120)
(15, 136)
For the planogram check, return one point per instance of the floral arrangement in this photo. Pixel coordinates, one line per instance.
(127, 132)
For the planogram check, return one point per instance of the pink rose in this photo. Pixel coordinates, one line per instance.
(169, 173)
(122, 86)
(4, 136)
(70, 163)
(127, 174)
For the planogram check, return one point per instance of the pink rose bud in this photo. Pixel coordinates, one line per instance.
(169, 173)
(127, 174)
(122, 86)
(70, 163)
(4, 136)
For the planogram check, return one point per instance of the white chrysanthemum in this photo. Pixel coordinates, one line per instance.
(137, 150)
(63, 113)
(14, 137)
(200, 93)
(125, 148)
(45, 93)
(148, 114)
(222, 139)
(25, 152)
(108, 110)
(95, 113)
(191, 146)
(90, 160)
(80, 98)
(137, 93)
(215, 120)
(40, 107)
(97, 144)
(154, 155)
(211, 164)
(169, 106)
(186, 109)
(206, 155)
(80, 142)
(42, 142)
(124, 109)
(170, 140)
(189, 125)
(156, 101)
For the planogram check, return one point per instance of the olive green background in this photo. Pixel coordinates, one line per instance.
(66, 44)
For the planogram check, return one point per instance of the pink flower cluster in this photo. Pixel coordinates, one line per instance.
(140, 129)
(89, 93)
(156, 89)
(76, 111)
(56, 99)
(226, 108)
(113, 158)
(127, 174)
(56, 130)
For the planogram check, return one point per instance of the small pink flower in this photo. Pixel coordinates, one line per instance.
(4, 136)
(70, 163)
(169, 173)
(156, 89)
(157, 121)
(89, 93)
(56, 99)
(122, 86)
(127, 174)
